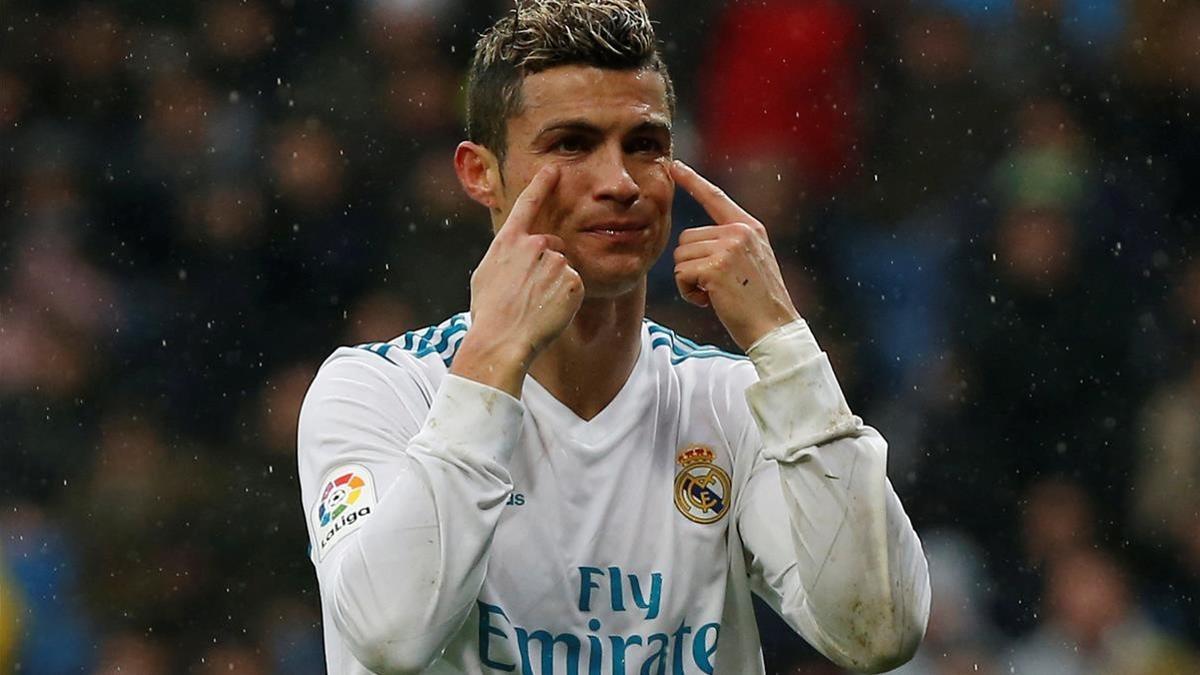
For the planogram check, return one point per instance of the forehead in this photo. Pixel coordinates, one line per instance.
(607, 98)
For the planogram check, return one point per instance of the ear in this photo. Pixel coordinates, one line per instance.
(478, 171)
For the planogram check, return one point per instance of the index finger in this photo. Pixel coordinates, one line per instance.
(531, 200)
(716, 203)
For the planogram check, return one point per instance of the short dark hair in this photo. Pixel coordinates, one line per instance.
(541, 34)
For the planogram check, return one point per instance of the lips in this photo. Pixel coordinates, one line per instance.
(619, 232)
(617, 227)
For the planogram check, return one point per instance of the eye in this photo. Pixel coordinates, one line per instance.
(570, 145)
(646, 144)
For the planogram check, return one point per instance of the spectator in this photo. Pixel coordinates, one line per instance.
(132, 654)
(781, 93)
(10, 612)
(1094, 626)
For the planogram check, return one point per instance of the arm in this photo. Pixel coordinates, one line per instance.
(400, 576)
(399, 580)
(828, 543)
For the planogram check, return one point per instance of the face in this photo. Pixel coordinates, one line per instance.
(609, 133)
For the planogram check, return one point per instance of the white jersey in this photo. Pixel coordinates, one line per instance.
(456, 529)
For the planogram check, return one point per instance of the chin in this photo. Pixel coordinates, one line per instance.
(611, 284)
(611, 274)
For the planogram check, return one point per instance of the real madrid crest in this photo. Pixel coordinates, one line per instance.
(702, 489)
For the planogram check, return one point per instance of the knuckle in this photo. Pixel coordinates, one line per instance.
(741, 232)
(574, 282)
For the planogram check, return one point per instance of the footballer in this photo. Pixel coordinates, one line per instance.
(553, 484)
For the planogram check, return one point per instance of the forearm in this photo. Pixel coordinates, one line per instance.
(864, 592)
(403, 583)
(859, 563)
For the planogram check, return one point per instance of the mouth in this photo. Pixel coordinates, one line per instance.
(617, 228)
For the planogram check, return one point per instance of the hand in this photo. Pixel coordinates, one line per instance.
(523, 294)
(730, 265)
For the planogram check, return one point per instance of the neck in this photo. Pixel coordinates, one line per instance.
(590, 361)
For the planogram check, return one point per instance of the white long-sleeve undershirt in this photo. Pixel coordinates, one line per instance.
(825, 539)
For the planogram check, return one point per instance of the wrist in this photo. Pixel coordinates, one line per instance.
(754, 333)
(494, 359)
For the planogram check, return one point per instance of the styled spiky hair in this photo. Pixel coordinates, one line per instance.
(542, 34)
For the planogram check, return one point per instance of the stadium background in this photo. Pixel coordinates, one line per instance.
(987, 210)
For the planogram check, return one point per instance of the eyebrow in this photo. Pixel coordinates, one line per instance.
(653, 126)
(584, 126)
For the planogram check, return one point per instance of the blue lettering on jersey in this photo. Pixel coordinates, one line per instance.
(486, 630)
(539, 651)
(616, 593)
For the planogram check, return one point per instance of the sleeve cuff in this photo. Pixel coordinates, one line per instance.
(783, 348)
(475, 420)
(798, 405)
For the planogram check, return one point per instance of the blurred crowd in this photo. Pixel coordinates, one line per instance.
(981, 206)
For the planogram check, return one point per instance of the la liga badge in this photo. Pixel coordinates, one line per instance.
(702, 489)
(347, 497)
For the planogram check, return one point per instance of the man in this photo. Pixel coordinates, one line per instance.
(554, 484)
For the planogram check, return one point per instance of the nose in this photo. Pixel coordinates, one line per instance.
(613, 180)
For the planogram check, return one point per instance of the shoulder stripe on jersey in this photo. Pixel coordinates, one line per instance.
(679, 354)
(377, 348)
(682, 348)
(447, 334)
(442, 339)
